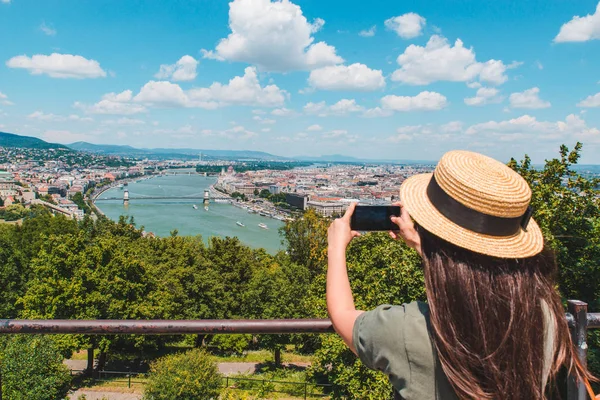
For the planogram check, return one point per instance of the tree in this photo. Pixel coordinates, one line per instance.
(187, 376)
(1, 202)
(31, 369)
(264, 194)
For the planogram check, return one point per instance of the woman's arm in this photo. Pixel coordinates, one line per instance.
(340, 303)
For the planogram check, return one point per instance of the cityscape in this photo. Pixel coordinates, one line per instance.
(177, 181)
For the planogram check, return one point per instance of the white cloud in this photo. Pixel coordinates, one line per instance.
(528, 99)
(484, 96)
(4, 100)
(182, 70)
(539, 65)
(314, 128)
(451, 127)
(273, 35)
(590, 101)
(49, 31)
(265, 130)
(58, 66)
(352, 77)
(5, 1)
(41, 116)
(528, 127)
(113, 103)
(342, 107)
(377, 112)
(424, 101)
(263, 120)
(283, 112)
(124, 121)
(439, 61)
(336, 133)
(238, 132)
(259, 112)
(241, 90)
(368, 32)
(580, 29)
(407, 26)
(474, 85)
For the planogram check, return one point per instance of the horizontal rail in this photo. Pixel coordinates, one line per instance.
(175, 327)
(165, 327)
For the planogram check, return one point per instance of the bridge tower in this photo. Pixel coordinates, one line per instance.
(206, 198)
(126, 197)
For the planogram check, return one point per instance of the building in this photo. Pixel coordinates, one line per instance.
(274, 189)
(297, 200)
(244, 188)
(8, 186)
(327, 209)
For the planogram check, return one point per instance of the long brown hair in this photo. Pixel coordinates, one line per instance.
(488, 321)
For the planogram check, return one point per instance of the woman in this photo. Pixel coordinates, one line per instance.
(493, 326)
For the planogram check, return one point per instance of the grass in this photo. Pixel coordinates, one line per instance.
(263, 356)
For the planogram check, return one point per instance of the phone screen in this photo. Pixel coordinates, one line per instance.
(374, 218)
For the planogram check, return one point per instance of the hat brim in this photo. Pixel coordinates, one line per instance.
(413, 195)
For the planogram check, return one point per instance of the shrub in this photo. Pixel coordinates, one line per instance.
(185, 376)
(231, 344)
(32, 369)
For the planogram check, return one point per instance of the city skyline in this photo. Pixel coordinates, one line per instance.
(392, 81)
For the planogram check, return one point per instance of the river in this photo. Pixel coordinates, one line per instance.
(163, 216)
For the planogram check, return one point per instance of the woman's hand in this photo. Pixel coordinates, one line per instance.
(407, 231)
(339, 233)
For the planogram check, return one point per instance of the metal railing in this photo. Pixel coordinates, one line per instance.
(578, 318)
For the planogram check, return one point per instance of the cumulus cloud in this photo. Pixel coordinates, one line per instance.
(113, 103)
(314, 128)
(4, 100)
(58, 66)
(283, 112)
(357, 77)
(407, 26)
(124, 122)
(5, 1)
(590, 101)
(484, 96)
(580, 29)
(528, 127)
(182, 70)
(275, 36)
(424, 101)
(377, 112)
(368, 32)
(440, 61)
(528, 99)
(263, 120)
(41, 116)
(241, 90)
(342, 107)
(49, 31)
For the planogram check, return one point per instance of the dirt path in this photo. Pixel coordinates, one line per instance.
(104, 394)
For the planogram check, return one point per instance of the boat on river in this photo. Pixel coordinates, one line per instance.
(264, 226)
(240, 224)
(195, 207)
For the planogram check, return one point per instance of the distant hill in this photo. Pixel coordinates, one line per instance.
(27, 142)
(162, 153)
(339, 158)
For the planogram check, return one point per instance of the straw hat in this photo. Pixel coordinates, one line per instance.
(476, 203)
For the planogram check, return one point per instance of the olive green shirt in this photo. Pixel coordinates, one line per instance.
(395, 340)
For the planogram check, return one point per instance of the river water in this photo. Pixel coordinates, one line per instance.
(163, 216)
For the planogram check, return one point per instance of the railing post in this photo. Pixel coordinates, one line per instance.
(576, 390)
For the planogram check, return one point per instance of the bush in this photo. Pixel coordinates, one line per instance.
(32, 369)
(186, 376)
(231, 344)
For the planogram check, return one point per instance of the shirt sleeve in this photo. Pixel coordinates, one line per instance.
(378, 337)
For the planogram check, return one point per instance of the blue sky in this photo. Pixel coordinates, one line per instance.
(393, 80)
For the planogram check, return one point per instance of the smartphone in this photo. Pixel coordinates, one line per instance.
(374, 218)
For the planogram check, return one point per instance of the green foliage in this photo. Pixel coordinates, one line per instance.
(80, 201)
(1, 202)
(238, 195)
(187, 376)
(231, 344)
(567, 208)
(31, 368)
(13, 212)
